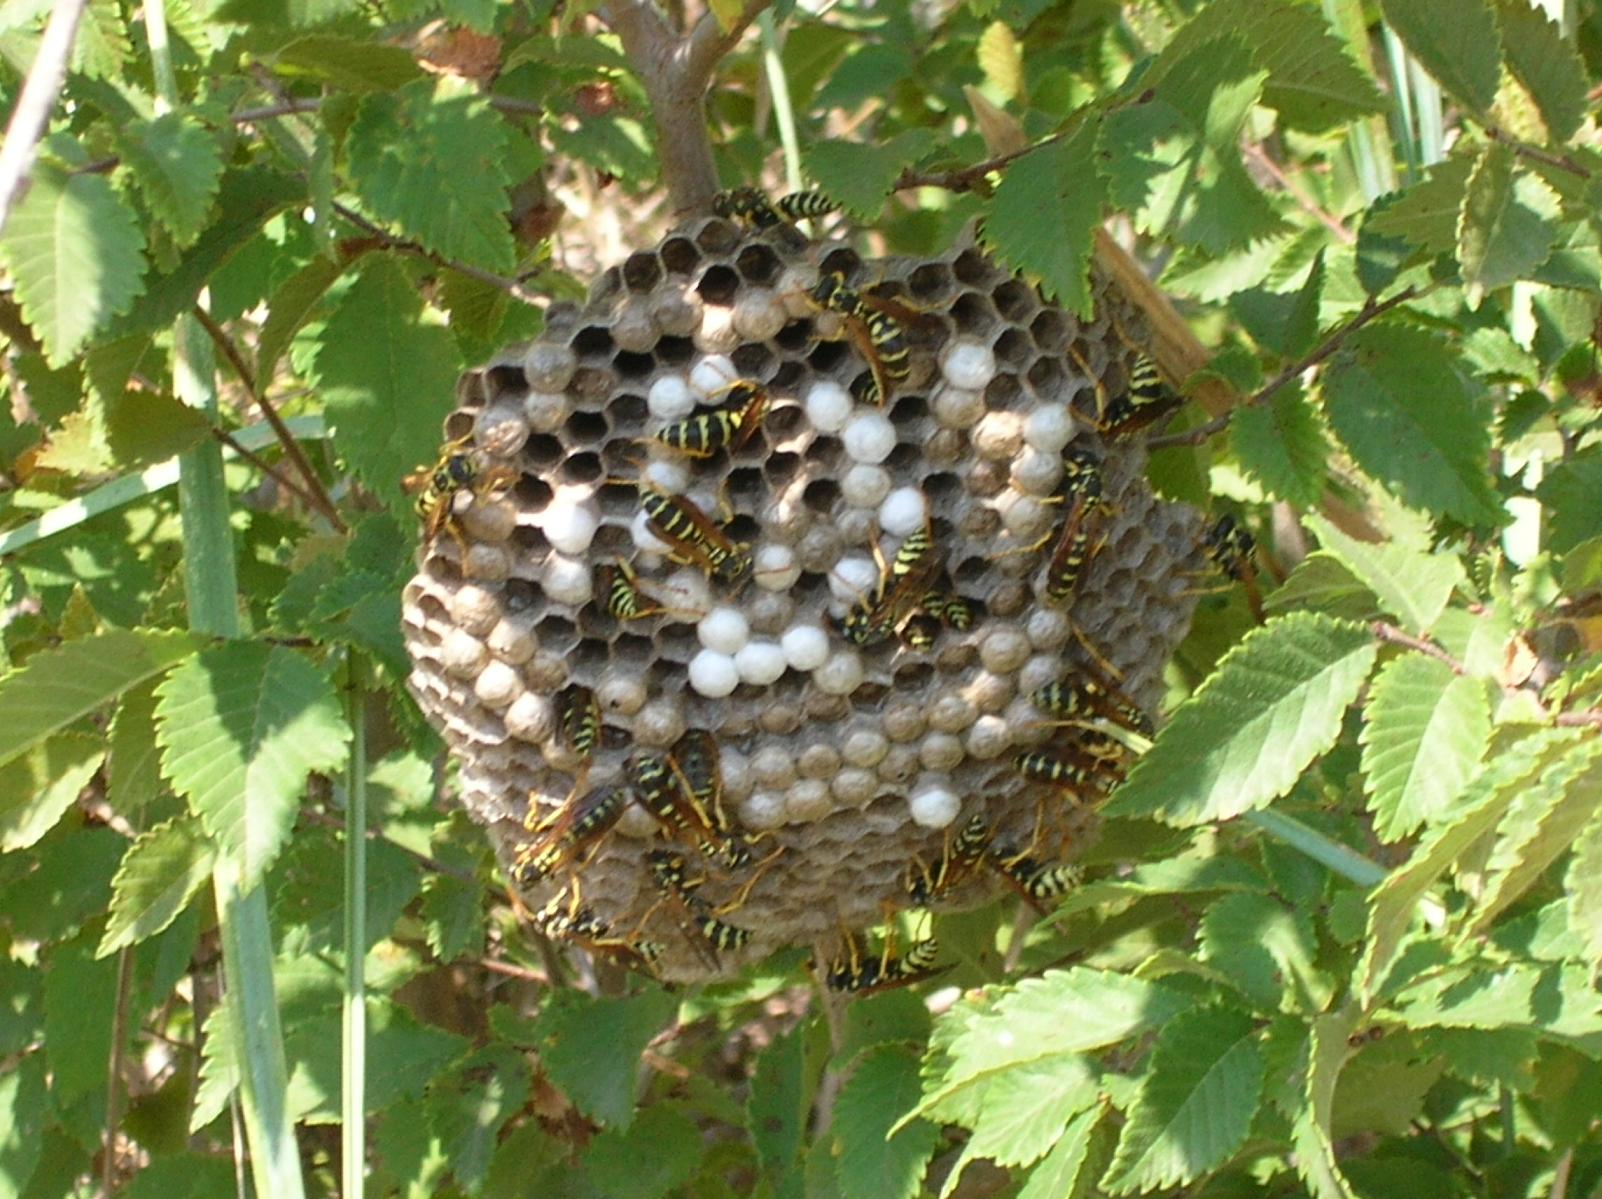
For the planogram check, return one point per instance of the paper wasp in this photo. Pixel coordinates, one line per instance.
(853, 974)
(1036, 881)
(696, 537)
(621, 588)
(705, 432)
(436, 488)
(878, 336)
(903, 587)
(669, 870)
(1084, 698)
(567, 832)
(694, 759)
(578, 717)
(1230, 548)
(959, 857)
(750, 205)
(1147, 398)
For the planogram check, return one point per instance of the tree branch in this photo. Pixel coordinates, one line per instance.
(708, 42)
(39, 92)
(389, 241)
(964, 179)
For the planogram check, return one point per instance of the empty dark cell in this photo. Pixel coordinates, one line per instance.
(630, 365)
(582, 468)
(742, 528)
(555, 631)
(718, 237)
(903, 457)
(676, 641)
(664, 678)
(1046, 376)
(592, 341)
(971, 570)
(753, 360)
(458, 425)
(641, 271)
(930, 281)
(809, 587)
(793, 337)
(971, 268)
(784, 421)
(908, 410)
(823, 454)
(757, 263)
(940, 527)
(820, 496)
(519, 595)
(826, 355)
(942, 487)
(841, 260)
(913, 676)
(674, 351)
(679, 255)
(1014, 348)
(612, 541)
(972, 312)
(582, 428)
(1050, 330)
(632, 647)
(445, 570)
(504, 379)
(869, 694)
(542, 451)
(718, 285)
(781, 468)
(626, 410)
(745, 486)
(1014, 300)
(589, 655)
(1003, 393)
(618, 499)
(470, 390)
(786, 377)
(530, 544)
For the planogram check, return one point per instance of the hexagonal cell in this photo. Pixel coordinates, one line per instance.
(1015, 300)
(1052, 330)
(794, 337)
(633, 366)
(783, 423)
(677, 642)
(841, 260)
(594, 383)
(758, 264)
(1014, 349)
(626, 410)
(618, 500)
(827, 355)
(584, 428)
(931, 282)
(1004, 394)
(674, 351)
(582, 468)
(974, 313)
(718, 284)
(780, 468)
(821, 495)
(459, 424)
(753, 360)
(972, 268)
(557, 634)
(642, 271)
(541, 453)
(679, 256)
(718, 237)
(470, 390)
(1048, 377)
(592, 341)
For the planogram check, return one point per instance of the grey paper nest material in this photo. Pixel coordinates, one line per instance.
(829, 761)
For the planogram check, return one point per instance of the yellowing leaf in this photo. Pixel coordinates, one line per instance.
(1001, 59)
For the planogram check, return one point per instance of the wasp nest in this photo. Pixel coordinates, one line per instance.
(842, 760)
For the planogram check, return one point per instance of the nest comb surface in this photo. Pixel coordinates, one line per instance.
(828, 763)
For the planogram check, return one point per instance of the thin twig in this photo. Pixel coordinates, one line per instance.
(1369, 312)
(708, 42)
(119, 1030)
(1392, 635)
(318, 498)
(1304, 201)
(292, 107)
(511, 971)
(38, 97)
(967, 178)
(390, 242)
(266, 468)
(1560, 162)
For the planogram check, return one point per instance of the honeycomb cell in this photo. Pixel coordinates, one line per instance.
(1015, 300)
(642, 271)
(718, 285)
(593, 342)
(718, 238)
(1052, 331)
(679, 255)
(930, 283)
(758, 264)
(975, 314)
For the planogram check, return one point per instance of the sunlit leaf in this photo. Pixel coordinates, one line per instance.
(159, 874)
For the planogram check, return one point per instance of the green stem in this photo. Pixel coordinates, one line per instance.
(1402, 95)
(779, 88)
(353, 1091)
(1343, 861)
(211, 588)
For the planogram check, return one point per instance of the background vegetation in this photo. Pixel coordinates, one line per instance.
(1342, 935)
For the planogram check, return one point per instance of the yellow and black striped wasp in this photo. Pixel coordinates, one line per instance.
(707, 430)
(853, 974)
(563, 918)
(562, 836)
(877, 335)
(1035, 881)
(1088, 764)
(1084, 698)
(958, 859)
(752, 206)
(1081, 492)
(1145, 399)
(899, 594)
(696, 539)
(436, 488)
(694, 758)
(620, 591)
(678, 887)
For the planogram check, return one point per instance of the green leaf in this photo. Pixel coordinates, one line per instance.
(1481, 806)
(1273, 705)
(1062, 1012)
(1001, 60)
(37, 787)
(1541, 826)
(776, 1108)
(1426, 214)
(1266, 950)
(24, 1106)
(1553, 1000)
(290, 304)
(1316, 1159)
(1321, 583)
(80, 1005)
(1546, 63)
(1283, 445)
(1409, 583)
(467, 1110)
(1571, 494)
(860, 174)
(1395, 398)
(410, 152)
(134, 775)
(348, 64)
(1058, 1174)
(1582, 886)
(102, 48)
(453, 917)
(1312, 81)
(1286, 323)
(591, 1048)
(176, 163)
(873, 1163)
(241, 727)
(1174, 160)
(1500, 239)
(647, 1160)
(386, 377)
(75, 253)
(1044, 214)
(1424, 731)
(1196, 1102)
(161, 871)
(1024, 1111)
(1456, 41)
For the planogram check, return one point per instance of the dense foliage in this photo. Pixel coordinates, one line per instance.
(1342, 931)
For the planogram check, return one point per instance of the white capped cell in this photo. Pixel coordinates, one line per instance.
(840, 675)
(806, 801)
(934, 804)
(958, 408)
(622, 694)
(968, 365)
(661, 722)
(759, 314)
(1036, 471)
(828, 406)
(760, 662)
(903, 511)
(724, 630)
(713, 675)
(805, 646)
(774, 567)
(762, 810)
(712, 374)
(772, 766)
(1049, 427)
(569, 524)
(852, 578)
(667, 475)
(462, 654)
(532, 717)
(644, 538)
(497, 685)
(869, 436)
(864, 747)
(865, 486)
(685, 594)
(670, 398)
(567, 580)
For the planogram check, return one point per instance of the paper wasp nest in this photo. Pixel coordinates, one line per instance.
(853, 760)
